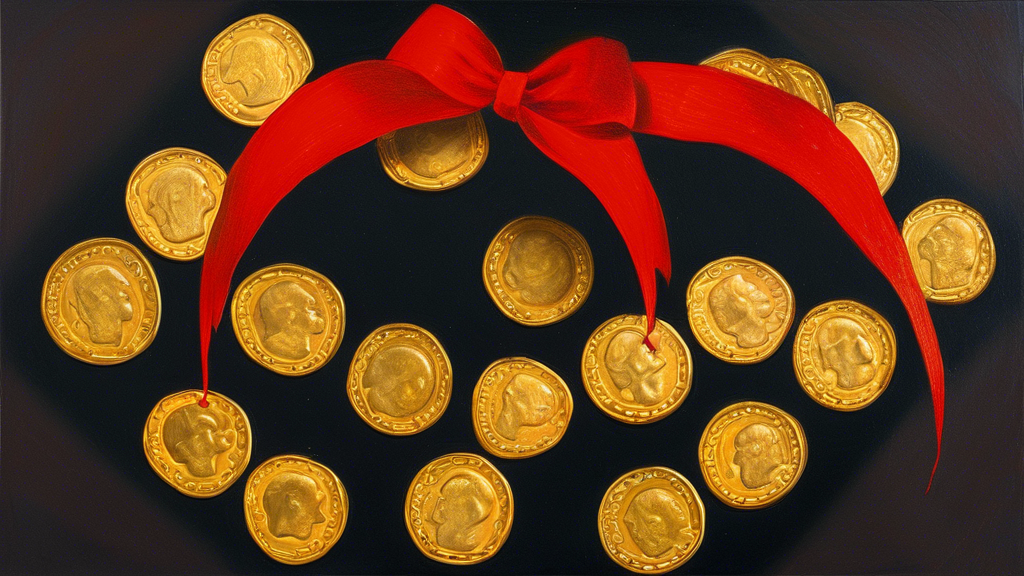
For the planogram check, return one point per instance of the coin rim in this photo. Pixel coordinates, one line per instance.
(390, 160)
(829, 105)
(895, 140)
(768, 63)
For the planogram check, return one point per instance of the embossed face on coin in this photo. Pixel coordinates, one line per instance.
(293, 505)
(459, 509)
(289, 316)
(873, 137)
(651, 520)
(538, 270)
(102, 301)
(256, 70)
(178, 200)
(437, 155)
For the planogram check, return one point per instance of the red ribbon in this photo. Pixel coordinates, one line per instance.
(580, 108)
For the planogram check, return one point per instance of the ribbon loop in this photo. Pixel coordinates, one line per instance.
(510, 93)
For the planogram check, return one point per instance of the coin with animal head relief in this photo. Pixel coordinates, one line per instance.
(101, 301)
(435, 156)
(875, 139)
(288, 318)
(200, 451)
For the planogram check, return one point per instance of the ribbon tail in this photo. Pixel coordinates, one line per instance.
(702, 104)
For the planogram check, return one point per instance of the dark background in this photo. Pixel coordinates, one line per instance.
(91, 88)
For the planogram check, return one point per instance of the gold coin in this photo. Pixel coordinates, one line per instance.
(199, 451)
(752, 454)
(873, 137)
(437, 155)
(288, 318)
(629, 382)
(755, 66)
(520, 408)
(295, 508)
(400, 380)
(459, 509)
(253, 66)
(951, 249)
(739, 309)
(173, 197)
(844, 355)
(101, 301)
(538, 270)
(651, 520)
(809, 84)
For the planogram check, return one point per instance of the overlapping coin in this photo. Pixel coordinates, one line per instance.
(295, 508)
(844, 354)
(875, 139)
(951, 249)
(400, 380)
(630, 382)
(651, 520)
(809, 84)
(538, 270)
(752, 454)
(251, 67)
(520, 408)
(199, 451)
(101, 301)
(173, 197)
(739, 309)
(459, 509)
(787, 75)
(437, 155)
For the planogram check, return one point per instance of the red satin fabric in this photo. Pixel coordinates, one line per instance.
(579, 108)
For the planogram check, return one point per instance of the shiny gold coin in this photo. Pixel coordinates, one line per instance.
(752, 454)
(520, 408)
(538, 270)
(199, 451)
(253, 66)
(101, 301)
(739, 309)
(873, 137)
(844, 355)
(173, 197)
(295, 508)
(437, 155)
(809, 84)
(755, 66)
(288, 318)
(629, 382)
(400, 380)
(651, 520)
(951, 249)
(459, 509)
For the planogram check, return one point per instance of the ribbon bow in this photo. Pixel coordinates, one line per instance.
(579, 108)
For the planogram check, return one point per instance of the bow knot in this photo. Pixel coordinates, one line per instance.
(509, 94)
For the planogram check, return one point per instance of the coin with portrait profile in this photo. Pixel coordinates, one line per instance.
(739, 309)
(459, 509)
(651, 520)
(844, 354)
(288, 318)
(295, 508)
(520, 408)
(627, 380)
(101, 301)
(253, 66)
(198, 451)
(951, 249)
(173, 197)
(538, 270)
(435, 156)
(752, 454)
(400, 379)
(874, 137)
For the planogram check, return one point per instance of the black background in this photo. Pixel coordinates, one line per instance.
(91, 88)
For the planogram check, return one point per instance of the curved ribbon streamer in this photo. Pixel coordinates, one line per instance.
(579, 108)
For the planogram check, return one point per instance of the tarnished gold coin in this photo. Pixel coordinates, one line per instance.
(199, 451)
(538, 270)
(752, 454)
(809, 84)
(651, 520)
(951, 249)
(437, 155)
(739, 309)
(629, 382)
(844, 355)
(400, 380)
(253, 66)
(173, 197)
(295, 508)
(873, 137)
(101, 301)
(520, 408)
(288, 318)
(459, 509)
